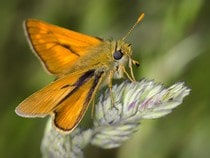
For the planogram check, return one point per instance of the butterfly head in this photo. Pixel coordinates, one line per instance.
(122, 55)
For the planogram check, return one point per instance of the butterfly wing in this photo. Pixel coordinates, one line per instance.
(66, 99)
(58, 48)
(67, 117)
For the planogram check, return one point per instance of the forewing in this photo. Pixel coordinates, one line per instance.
(72, 108)
(66, 99)
(57, 47)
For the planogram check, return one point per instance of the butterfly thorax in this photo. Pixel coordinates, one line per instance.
(107, 56)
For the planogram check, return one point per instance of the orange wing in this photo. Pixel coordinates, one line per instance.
(58, 48)
(67, 117)
(66, 99)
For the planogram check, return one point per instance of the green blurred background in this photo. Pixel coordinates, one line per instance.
(171, 43)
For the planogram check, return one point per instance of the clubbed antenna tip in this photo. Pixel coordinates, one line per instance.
(141, 16)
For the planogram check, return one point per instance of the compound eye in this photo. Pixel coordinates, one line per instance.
(118, 55)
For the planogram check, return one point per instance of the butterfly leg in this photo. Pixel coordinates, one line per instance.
(92, 109)
(110, 87)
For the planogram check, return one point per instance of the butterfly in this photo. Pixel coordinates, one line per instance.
(80, 63)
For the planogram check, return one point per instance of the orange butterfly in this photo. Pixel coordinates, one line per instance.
(80, 63)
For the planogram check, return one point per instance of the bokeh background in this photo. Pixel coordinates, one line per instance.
(172, 44)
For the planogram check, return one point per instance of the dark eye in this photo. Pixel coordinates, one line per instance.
(117, 54)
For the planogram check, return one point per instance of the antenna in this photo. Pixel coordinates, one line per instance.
(141, 16)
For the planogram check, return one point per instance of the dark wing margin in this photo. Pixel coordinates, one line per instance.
(71, 109)
(58, 48)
